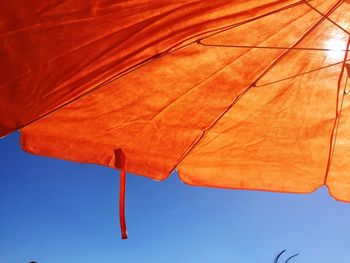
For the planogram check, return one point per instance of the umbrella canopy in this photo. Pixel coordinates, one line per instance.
(232, 94)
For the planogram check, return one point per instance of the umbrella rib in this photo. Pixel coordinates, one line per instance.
(273, 64)
(327, 18)
(300, 74)
(267, 47)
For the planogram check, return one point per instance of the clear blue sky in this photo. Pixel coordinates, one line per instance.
(56, 211)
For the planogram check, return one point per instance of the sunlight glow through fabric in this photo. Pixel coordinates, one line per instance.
(231, 94)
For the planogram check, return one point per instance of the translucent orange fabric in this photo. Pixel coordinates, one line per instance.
(232, 94)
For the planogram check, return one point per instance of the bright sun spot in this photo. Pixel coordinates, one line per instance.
(336, 47)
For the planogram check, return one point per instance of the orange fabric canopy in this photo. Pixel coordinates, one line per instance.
(232, 94)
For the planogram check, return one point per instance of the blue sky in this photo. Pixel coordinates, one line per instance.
(55, 211)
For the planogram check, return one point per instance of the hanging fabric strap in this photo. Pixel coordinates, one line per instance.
(120, 164)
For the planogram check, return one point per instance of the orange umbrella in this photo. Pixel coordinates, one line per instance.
(232, 94)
